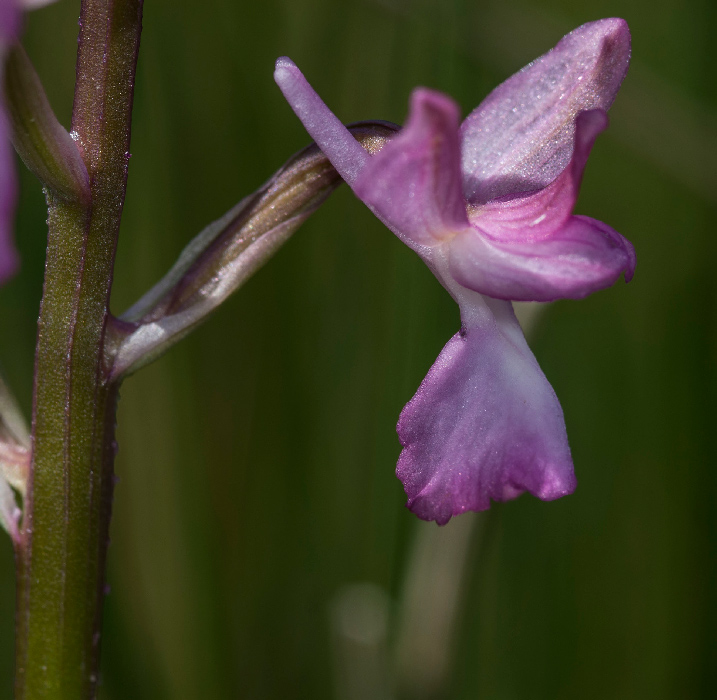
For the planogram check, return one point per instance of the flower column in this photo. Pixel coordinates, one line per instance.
(62, 547)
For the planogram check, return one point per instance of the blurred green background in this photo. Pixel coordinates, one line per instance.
(256, 459)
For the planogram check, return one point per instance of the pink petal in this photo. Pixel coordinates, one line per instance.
(9, 259)
(10, 23)
(582, 257)
(414, 183)
(332, 137)
(541, 213)
(485, 423)
(521, 136)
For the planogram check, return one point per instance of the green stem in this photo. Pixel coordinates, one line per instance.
(62, 550)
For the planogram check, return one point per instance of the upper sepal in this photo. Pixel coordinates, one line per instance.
(531, 216)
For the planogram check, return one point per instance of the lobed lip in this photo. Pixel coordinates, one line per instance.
(488, 205)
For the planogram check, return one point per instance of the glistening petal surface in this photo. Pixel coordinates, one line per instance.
(414, 182)
(531, 248)
(520, 138)
(484, 425)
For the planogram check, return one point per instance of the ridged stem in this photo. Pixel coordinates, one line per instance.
(63, 543)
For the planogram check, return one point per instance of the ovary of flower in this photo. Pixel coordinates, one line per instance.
(488, 206)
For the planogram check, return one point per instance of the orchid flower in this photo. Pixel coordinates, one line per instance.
(487, 205)
(14, 441)
(10, 26)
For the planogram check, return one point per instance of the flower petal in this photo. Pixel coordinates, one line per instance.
(585, 255)
(485, 423)
(521, 136)
(542, 213)
(332, 137)
(414, 183)
(10, 21)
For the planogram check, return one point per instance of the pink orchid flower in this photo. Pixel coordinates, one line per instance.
(487, 204)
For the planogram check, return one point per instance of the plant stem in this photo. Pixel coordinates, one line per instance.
(62, 550)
